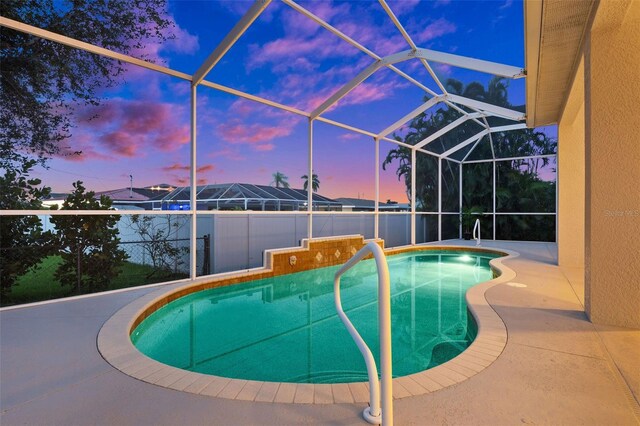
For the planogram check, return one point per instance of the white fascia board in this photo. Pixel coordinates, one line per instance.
(461, 145)
(487, 108)
(422, 108)
(471, 63)
(344, 90)
(446, 129)
(232, 36)
(508, 128)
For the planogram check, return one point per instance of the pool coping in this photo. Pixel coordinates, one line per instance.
(115, 346)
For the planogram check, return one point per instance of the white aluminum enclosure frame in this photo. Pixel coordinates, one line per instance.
(468, 108)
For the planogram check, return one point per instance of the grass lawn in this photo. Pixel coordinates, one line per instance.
(40, 284)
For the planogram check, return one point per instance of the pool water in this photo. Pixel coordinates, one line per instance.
(285, 329)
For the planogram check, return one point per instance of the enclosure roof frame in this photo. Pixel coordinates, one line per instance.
(479, 110)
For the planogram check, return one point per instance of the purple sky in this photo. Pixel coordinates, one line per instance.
(141, 127)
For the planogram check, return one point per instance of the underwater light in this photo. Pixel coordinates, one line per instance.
(465, 258)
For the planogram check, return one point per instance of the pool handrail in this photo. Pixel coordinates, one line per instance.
(476, 226)
(374, 414)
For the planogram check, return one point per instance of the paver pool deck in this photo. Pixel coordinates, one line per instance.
(556, 368)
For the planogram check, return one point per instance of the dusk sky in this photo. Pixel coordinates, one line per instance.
(141, 127)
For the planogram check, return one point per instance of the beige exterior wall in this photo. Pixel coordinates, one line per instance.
(571, 185)
(612, 172)
(571, 163)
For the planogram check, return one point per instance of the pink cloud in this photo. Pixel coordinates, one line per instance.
(436, 29)
(253, 134)
(179, 173)
(185, 168)
(265, 147)
(126, 128)
(296, 24)
(375, 37)
(176, 167)
(350, 136)
(228, 153)
(171, 138)
(322, 45)
(184, 42)
(179, 41)
(245, 108)
(375, 90)
(403, 6)
(82, 150)
(298, 65)
(327, 10)
(390, 45)
(443, 69)
(365, 92)
(120, 143)
(242, 107)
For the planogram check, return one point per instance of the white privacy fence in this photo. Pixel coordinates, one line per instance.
(238, 241)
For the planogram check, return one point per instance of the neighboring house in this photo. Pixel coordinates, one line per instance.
(55, 199)
(362, 205)
(147, 198)
(230, 196)
(244, 196)
(226, 196)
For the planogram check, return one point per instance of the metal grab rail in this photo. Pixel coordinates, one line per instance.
(373, 414)
(476, 226)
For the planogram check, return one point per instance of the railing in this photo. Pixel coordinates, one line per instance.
(374, 414)
(476, 226)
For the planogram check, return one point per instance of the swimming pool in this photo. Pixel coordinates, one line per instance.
(285, 328)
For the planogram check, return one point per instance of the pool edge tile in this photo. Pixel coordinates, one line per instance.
(286, 393)
(341, 393)
(249, 391)
(267, 392)
(322, 394)
(232, 389)
(304, 394)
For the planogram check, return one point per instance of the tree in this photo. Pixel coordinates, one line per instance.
(88, 245)
(315, 182)
(523, 142)
(42, 82)
(280, 180)
(155, 233)
(23, 244)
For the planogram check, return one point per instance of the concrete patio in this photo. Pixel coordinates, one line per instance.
(557, 367)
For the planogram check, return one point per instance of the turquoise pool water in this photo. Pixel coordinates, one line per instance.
(285, 329)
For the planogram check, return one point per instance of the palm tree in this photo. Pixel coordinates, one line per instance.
(517, 143)
(280, 180)
(315, 182)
